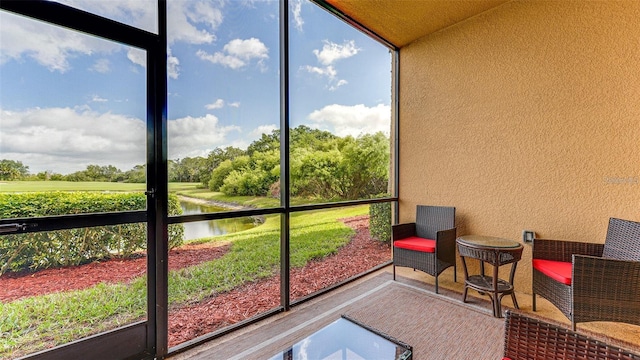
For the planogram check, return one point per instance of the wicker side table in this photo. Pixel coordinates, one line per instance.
(495, 252)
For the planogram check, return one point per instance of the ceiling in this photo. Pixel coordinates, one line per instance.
(400, 22)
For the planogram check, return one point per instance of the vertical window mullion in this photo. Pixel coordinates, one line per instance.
(284, 155)
(157, 68)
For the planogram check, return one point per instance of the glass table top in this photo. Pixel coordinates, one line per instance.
(345, 339)
(488, 241)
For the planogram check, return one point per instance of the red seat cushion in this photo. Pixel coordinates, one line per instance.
(416, 243)
(559, 271)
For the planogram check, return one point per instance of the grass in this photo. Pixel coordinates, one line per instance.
(40, 186)
(35, 323)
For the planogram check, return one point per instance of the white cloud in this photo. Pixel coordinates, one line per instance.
(102, 66)
(204, 13)
(340, 83)
(97, 98)
(218, 104)
(196, 136)
(220, 58)
(192, 22)
(328, 71)
(183, 17)
(344, 120)
(263, 129)
(139, 13)
(238, 53)
(296, 9)
(332, 52)
(65, 140)
(235, 104)
(247, 49)
(241, 143)
(49, 45)
(182, 26)
(137, 56)
(173, 66)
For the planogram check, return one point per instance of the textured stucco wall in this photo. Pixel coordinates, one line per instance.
(526, 116)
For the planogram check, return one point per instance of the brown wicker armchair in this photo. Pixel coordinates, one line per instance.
(429, 244)
(591, 282)
(529, 338)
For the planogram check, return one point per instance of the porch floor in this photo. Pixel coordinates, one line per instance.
(263, 339)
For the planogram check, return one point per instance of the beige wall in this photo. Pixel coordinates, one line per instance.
(526, 117)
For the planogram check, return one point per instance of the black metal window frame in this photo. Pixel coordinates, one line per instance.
(149, 339)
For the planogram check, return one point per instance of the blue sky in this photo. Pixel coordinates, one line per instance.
(68, 100)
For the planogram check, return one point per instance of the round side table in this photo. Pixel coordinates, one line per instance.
(496, 252)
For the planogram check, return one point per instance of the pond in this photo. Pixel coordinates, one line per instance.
(201, 229)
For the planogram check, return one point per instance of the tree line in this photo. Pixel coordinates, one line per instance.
(321, 165)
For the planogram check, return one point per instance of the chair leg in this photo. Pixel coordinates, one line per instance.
(464, 294)
(394, 272)
(515, 302)
(455, 273)
(533, 301)
(436, 284)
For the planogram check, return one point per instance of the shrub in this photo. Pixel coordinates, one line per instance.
(251, 182)
(76, 246)
(380, 221)
(219, 174)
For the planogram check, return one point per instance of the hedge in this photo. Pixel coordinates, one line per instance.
(380, 221)
(77, 246)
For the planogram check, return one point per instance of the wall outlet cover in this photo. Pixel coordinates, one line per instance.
(528, 236)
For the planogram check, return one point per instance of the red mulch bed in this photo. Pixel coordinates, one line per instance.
(14, 286)
(188, 322)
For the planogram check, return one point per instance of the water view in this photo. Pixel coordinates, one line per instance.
(202, 229)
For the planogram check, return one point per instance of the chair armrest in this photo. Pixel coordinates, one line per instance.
(605, 279)
(402, 231)
(562, 250)
(446, 245)
(530, 337)
(605, 290)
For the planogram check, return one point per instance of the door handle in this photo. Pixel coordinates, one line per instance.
(11, 228)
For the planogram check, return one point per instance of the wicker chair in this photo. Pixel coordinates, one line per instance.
(429, 244)
(591, 282)
(528, 338)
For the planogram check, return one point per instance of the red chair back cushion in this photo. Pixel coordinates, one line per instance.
(416, 244)
(557, 270)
